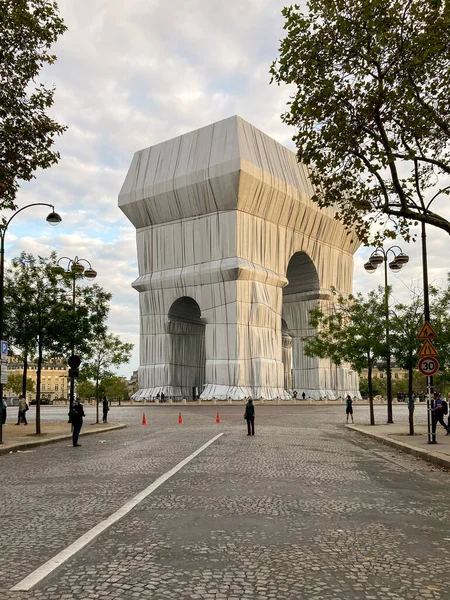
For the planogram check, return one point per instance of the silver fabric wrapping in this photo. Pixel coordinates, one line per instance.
(229, 245)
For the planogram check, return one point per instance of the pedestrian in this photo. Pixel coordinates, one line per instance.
(105, 409)
(163, 398)
(349, 407)
(448, 402)
(439, 408)
(294, 394)
(249, 416)
(23, 407)
(4, 405)
(303, 395)
(77, 421)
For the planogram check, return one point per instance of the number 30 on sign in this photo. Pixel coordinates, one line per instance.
(428, 365)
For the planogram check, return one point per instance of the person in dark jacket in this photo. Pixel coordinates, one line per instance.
(77, 421)
(249, 416)
(105, 409)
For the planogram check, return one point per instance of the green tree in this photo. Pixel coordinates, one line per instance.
(371, 107)
(351, 333)
(28, 29)
(378, 386)
(37, 299)
(405, 326)
(15, 384)
(440, 320)
(106, 353)
(115, 388)
(86, 389)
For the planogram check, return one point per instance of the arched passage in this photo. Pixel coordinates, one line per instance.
(187, 347)
(299, 297)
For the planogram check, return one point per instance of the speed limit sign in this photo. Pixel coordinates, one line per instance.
(428, 365)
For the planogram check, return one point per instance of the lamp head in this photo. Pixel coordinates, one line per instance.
(376, 259)
(90, 273)
(370, 268)
(77, 267)
(395, 266)
(53, 218)
(402, 258)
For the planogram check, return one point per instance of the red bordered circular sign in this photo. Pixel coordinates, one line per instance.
(428, 365)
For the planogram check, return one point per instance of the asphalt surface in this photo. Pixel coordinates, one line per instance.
(304, 509)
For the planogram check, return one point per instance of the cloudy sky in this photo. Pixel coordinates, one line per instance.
(134, 73)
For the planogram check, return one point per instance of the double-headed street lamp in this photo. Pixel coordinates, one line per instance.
(54, 219)
(399, 259)
(74, 269)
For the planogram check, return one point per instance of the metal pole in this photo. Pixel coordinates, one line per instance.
(388, 345)
(2, 276)
(72, 379)
(426, 312)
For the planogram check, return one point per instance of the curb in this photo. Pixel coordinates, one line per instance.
(33, 443)
(441, 460)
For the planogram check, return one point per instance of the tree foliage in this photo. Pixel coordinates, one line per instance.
(40, 316)
(371, 107)
(107, 352)
(15, 383)
(28, 29)
(352, 332)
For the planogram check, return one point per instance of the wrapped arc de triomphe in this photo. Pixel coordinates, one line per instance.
(232, 255)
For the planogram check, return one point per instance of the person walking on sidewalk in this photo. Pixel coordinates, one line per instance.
(439, 410)
(105, 409)
(249, 416)
(77, 421)
(349, 407)
(23, 407)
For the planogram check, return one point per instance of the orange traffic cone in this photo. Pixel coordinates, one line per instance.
(218, 417)
(144, 420)
(180, 419)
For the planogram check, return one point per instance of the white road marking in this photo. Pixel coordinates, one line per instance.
(36, 576)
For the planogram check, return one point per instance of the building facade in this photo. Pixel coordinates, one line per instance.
(54, 378)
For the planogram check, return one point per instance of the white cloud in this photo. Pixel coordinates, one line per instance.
(135, 73)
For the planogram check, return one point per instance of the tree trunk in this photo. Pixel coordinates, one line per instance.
(96, 401)
(24, 374)
(38, 389)
(369, 381)
(411, 404)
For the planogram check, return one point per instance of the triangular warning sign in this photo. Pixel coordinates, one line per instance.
(426, 332)
(428, 349)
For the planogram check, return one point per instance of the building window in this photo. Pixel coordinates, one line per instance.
(381, 375)
(56, 387)
(395, 375)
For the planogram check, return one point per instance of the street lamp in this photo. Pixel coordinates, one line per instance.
(399, 259)
(53, 218)
(74, 269)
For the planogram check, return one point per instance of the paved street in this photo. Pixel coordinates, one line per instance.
(305, 509)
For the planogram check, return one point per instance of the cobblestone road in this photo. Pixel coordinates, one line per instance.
(304, 510)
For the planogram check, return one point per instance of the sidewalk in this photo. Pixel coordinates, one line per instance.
(396, 435)
(23, 437)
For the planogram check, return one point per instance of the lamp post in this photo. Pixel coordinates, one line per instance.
(74, 269)
(378, 256)
(54, 219)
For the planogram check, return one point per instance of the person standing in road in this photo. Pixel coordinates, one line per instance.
(105, 409)
(23, 407)
(4, 405)
(249, 416)
(77, 421)
(438, 413)
(349, 407)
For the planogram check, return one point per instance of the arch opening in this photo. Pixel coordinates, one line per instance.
(299, 297)
(187, 347)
